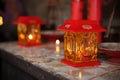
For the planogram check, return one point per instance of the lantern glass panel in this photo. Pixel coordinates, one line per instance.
(29, 34)
(80, 46)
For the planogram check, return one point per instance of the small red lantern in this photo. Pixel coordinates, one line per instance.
(80, 42)
(29, 30)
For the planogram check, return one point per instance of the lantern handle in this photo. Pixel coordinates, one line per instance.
(110, 21)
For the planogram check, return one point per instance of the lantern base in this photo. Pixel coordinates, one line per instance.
(82, 64)
(28, 45)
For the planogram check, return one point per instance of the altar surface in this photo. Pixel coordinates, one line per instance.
(44, 63)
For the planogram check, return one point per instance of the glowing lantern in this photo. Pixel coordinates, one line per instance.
(1, 20)
(80, 42)
(29, 30)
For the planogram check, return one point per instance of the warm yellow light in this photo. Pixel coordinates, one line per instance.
(22, 36)
(57, 42)
(80, 75)
(30, 36)
(80, 47)
(57, 49)
(1, 20)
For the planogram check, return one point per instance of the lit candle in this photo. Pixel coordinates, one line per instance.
(80, 75)
(57, 42)
(57, 47)
(30, 36)
(1, 20)
(77, 6)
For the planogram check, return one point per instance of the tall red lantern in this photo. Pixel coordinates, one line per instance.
(28, 30)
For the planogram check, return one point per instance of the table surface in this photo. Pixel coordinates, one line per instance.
(46, 58)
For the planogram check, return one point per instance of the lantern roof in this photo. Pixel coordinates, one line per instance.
(81, 26)
(28, 20)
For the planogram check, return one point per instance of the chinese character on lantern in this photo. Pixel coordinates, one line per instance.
(81, 42)
(28, 30)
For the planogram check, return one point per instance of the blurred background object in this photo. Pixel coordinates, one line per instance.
(45, 9)
(1, 20)
(114, 32)
(54, 16)
(10, 10)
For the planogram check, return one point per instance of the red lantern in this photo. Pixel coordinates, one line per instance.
(28, 30)
(80, 42)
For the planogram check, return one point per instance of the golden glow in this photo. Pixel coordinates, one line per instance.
(57, 42)
(22, 36)
(36, 30)
(30, 36)
(57, 47)
(80, 75)
(1, 20)
(22, 28)
(80, 47)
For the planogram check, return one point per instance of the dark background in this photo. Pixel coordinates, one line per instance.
(11, 9)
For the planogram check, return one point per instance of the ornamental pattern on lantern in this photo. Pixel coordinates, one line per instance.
(80, 46)
(28, 30)
(29, 34)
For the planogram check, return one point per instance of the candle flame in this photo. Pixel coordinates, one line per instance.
(30, 36)
(1, 20)
(57, 42)
(57, 47)
(22, 36)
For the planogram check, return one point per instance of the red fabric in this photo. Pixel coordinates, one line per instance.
(82, 64)
(28, 20)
